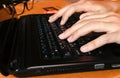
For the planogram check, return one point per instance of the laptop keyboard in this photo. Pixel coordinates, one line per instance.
(55, 47)
(50, 45)
(38, 38)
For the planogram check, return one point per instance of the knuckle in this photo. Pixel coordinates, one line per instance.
(84, 15)
(106, 38)
(92, 24)
(94, 43)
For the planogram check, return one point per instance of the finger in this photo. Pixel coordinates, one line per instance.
(98, 42)
(67, 14)
(86, 14)
(92, 15)
(66, 10)
(69, 11)
(94, 26)
(69, 31)
(58, 14)
(72, 29)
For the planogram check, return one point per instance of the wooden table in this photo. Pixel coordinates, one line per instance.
(38, 8)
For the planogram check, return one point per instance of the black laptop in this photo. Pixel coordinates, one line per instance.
(30, 46)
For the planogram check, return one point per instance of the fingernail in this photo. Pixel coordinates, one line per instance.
(70, 39)
(84, 49)
(50, 19)
(62, 22)
(61, 36)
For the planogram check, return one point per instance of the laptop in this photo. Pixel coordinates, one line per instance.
(29, 46)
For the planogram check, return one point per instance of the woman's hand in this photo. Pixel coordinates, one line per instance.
(99, 22)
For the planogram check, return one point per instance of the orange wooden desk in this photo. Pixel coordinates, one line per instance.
(38, 8)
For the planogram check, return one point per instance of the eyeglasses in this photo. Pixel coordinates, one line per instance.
(9, 9)
(21, 6)
(18, 6)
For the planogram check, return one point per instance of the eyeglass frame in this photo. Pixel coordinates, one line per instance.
(11, 6)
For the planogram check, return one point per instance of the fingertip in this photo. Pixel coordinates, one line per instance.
(81, 16)
(70, 39)
(62, 22)
(51, 19)
(61, 36)
(84, 49)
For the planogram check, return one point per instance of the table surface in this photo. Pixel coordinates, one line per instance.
(38, 8)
